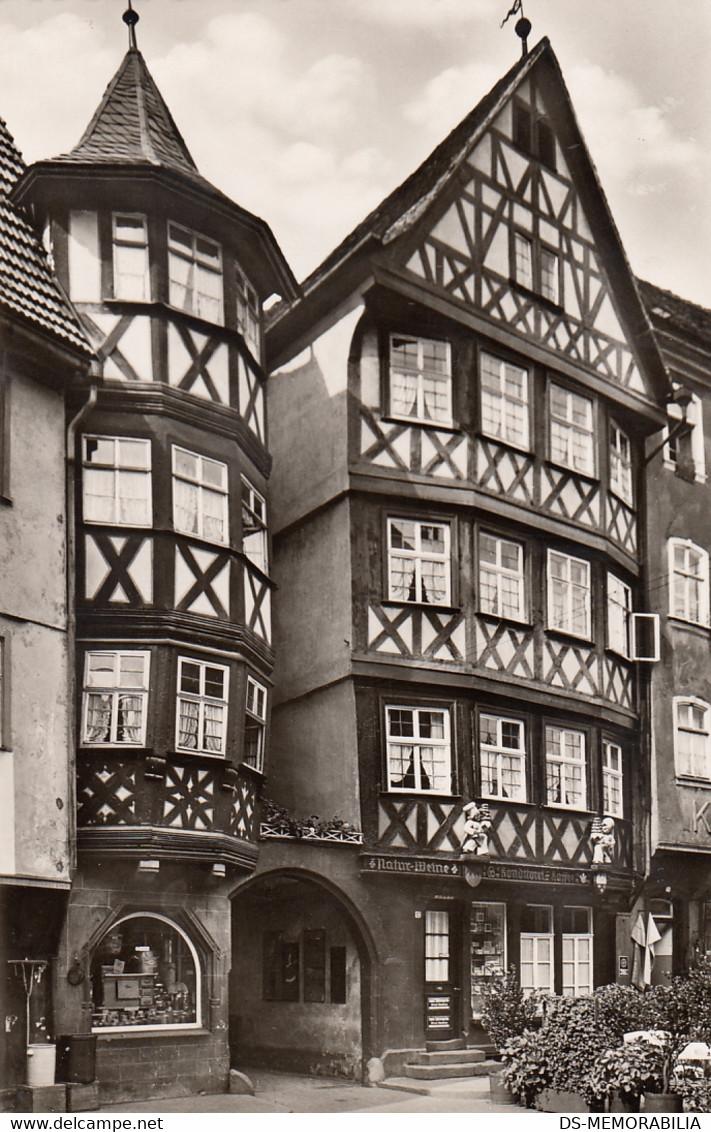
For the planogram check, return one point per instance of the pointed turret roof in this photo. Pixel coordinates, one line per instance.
(28, 290)
(133, 124)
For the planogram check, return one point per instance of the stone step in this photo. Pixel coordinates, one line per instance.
(440, 1072)
(448, 1057)
(447, 1043)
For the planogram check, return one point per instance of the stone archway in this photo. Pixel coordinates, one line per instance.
(302, 980)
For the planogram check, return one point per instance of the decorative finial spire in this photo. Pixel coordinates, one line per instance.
(522, 27)
(131, 18)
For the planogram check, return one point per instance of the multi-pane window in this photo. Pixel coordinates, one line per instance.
(533, 135)
(418, 749)
(612, 801)
(550, 277)
(565, 768)
(115, 698)
(501, 577)
(255, 724)
(569, 595)
(437, 946)
(536, 948)
(692, 738)
(502, 757)
(620, 464)
(619, 610)
(117, 481)
(523, 261)
(202, 706)
(688, 582)
(195, 273)
(572, 430)
(199, 496)
(249, 312)
(577, 968)
(130, 241)
(418, 561)
(420, 379)
(504, 401)
(254, 527)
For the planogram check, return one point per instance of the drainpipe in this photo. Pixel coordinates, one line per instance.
(71, 609)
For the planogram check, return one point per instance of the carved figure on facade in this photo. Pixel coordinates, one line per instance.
(476, 829)
(602, 836)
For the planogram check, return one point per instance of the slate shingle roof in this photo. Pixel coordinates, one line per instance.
(27, 287)
(668, 309)
(132, 124)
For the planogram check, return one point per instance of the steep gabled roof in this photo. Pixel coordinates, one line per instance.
(132, 124)
(27, 288)
(670, 312)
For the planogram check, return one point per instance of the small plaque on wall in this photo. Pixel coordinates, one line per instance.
(623, 963)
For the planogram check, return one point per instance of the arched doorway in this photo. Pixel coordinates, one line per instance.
(301, 983)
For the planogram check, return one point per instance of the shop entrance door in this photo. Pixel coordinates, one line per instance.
(442, 983)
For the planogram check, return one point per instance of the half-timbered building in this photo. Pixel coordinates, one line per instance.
(172, 585)
(458, 407)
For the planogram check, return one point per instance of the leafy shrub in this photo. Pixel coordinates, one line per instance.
(506, 1011)
(622, 1010)
(629, 1069)
(573, 1041)
(526, 1069)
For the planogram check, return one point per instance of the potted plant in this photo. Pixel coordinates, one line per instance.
(506, 1013)
(621, 1075)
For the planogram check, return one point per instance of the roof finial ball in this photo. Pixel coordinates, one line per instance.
(523, 30)
(131, 18)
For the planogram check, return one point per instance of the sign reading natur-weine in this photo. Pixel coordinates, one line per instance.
(490, 870)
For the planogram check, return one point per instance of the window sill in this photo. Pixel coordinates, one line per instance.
(121, 1032)
(592, 477)
(393, 603)
(114, 748)
(6, 501)
(549, 304)
(692, 780)
(397, 792)
(252, 770)
(629, 503)
(570, 807)
(523, 623)
(568, 637)
(517, 448)
(682, 623)
(440, 426)
(609, 651)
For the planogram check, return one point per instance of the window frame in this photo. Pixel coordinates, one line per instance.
(563, 761)
(535, 938)
(446, 744)
(252, 712)
(116, 469)
(503, 404)
(500, 572)
(694, 438)
(248, 312)
(621, 469)
(143, 244)
(261, 559)
(500, 751)
(446, 421)
(577, 938)
(551, 626)
(203, 700)
(613, 780)
(702, 705)
(590, 471)
(197, 264)
(619, 639)
(141, 692)
(419, 556)
(202, 487)
(702, 580)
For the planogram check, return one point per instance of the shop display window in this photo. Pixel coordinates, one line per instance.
(145, 973)
(487, 930)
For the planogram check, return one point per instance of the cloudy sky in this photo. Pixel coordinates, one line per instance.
(308, 112)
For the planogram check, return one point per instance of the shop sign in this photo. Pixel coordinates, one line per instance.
(415, 865)
(537, 874)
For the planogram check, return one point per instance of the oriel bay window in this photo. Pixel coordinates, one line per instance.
(419, 754)
(202, 707)
(566, 768)
(199, 496)
(117, 481)
(420, 379)
(195, 274)
(504, 401)
(419, 561)
(569, 595)
(501, 577)
(572, 430)
(115, 698)
(502, 756)
(130, 246)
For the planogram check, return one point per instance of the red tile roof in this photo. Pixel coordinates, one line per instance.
(27, 287)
